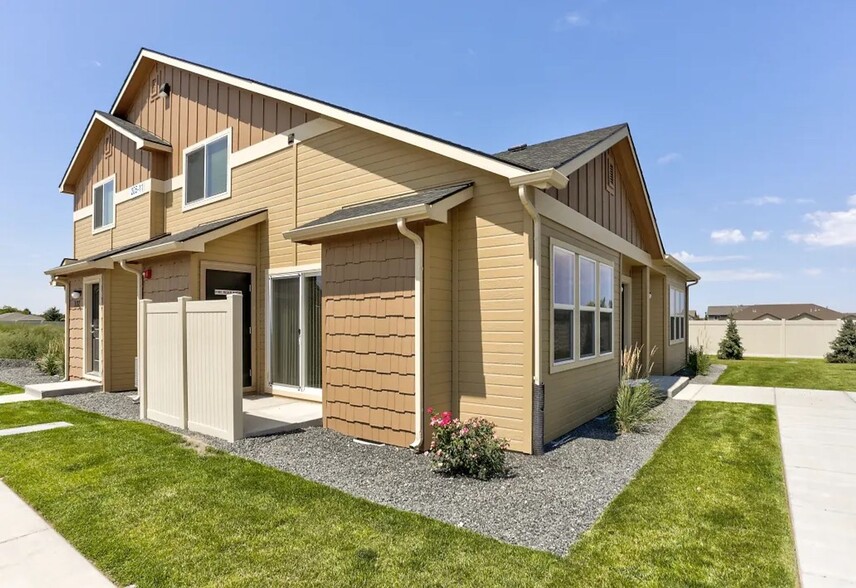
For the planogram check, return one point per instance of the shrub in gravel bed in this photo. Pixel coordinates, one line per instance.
(466, 448)
(636, 396)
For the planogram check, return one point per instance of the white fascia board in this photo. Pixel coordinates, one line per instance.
(475, 159)
(139, 142)
(544, 178)
(681, 267)
(80, 266)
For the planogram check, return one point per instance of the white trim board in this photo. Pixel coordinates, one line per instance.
(130, 193)
(478, 160)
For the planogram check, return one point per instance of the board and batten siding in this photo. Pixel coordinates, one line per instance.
(113, 154)
(586, 193)
(368, 324)
(576, 395)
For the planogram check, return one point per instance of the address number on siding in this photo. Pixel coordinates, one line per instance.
(137, 189)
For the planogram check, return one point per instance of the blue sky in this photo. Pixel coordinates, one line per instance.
(742, 113)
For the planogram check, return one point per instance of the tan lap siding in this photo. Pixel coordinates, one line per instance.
(676, 353)
(75, 331)
(134, 223)
(368, 319)
(438, 319)
(659, 320)
(121, 336)
(579, 394)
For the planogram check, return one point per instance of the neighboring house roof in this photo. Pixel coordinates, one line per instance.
(723, 310)
(16, 317)
(556, 152)
(787, 311)
(193, 239)
(432, 203)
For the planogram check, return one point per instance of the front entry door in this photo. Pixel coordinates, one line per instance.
(220, 283)
(94, 328)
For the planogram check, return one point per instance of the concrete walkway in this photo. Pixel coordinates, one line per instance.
(818, 435)
(33, 555)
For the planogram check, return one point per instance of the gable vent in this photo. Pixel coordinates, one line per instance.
(610, 174)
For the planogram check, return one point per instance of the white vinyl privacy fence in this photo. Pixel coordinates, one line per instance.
(190, 365)
(803, 338)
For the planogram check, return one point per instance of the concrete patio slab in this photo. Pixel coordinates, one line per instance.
(33, 428)
(268, 415)
(33, 555)
(54, 389)
(10, 398)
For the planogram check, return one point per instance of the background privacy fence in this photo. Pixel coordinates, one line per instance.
(190, 365)
(802, 338)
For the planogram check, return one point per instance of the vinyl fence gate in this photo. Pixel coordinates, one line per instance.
(190, 365)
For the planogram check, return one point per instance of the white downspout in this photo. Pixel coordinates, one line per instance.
(64, 283)
(136, 270)
(419, 399)
(536, 279)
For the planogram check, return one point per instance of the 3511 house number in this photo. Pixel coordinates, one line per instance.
(136, 189)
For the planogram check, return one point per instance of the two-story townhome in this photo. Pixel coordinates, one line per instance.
(384, 271)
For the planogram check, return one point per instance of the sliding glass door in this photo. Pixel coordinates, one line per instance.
(295, 332)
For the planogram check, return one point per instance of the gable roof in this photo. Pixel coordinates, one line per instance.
(432, 203)
(557, 152)
(141, 138)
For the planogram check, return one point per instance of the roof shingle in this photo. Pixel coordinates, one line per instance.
(556, 152)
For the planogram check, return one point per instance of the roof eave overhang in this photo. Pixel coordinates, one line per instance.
(194, 244)
(543, 179)
(67, 186)
(81, 266)
(437, 212)
(681, 267)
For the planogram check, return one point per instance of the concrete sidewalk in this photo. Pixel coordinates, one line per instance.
(33, 555)
(817, 429)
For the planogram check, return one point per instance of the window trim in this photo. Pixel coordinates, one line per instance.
(572, 307)
(301, 391)
(205, 200)
(608, 310)
(576, 360)
(682, 316)
(112, 225)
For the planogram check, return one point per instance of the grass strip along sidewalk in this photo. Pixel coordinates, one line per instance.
(709, 509)
(9, 389)
(814, 374)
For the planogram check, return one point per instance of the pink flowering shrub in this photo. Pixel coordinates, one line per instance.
(466, 448)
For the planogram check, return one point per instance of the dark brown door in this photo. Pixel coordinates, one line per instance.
(218, 285)
(95, 328)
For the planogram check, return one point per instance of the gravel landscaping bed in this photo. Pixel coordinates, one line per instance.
(547, 503)
(712, 376)
(21, 372)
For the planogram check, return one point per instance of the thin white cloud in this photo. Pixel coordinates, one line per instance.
(727, 236)
(830, 229)
(742, 275)
(761, 235)
(764, 200)
(668, 158)
(571, 19)
(812, 271)
(96, 63)
(687, 257)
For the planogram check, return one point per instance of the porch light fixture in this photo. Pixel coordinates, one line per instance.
(75, 294)
(164, 90)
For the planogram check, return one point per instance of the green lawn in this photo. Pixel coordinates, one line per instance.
(789, 373)
(708, 510)
(9, 389)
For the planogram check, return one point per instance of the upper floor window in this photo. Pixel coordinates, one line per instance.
(583, 299)
(677, 315)
(103, 210)
(206, 170)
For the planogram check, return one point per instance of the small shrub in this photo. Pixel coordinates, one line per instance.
(730, 347)
(53, 314)
(636, 396)
(698, 361)
(468, 448)
(844, 345)
(53, 360)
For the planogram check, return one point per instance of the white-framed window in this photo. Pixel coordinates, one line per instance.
(207, 177)
(294, 325)
(677, 315)
(582, 301)
(104, 205)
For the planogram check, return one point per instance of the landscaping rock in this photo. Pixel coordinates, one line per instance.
(22, 372)
(546, 504)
